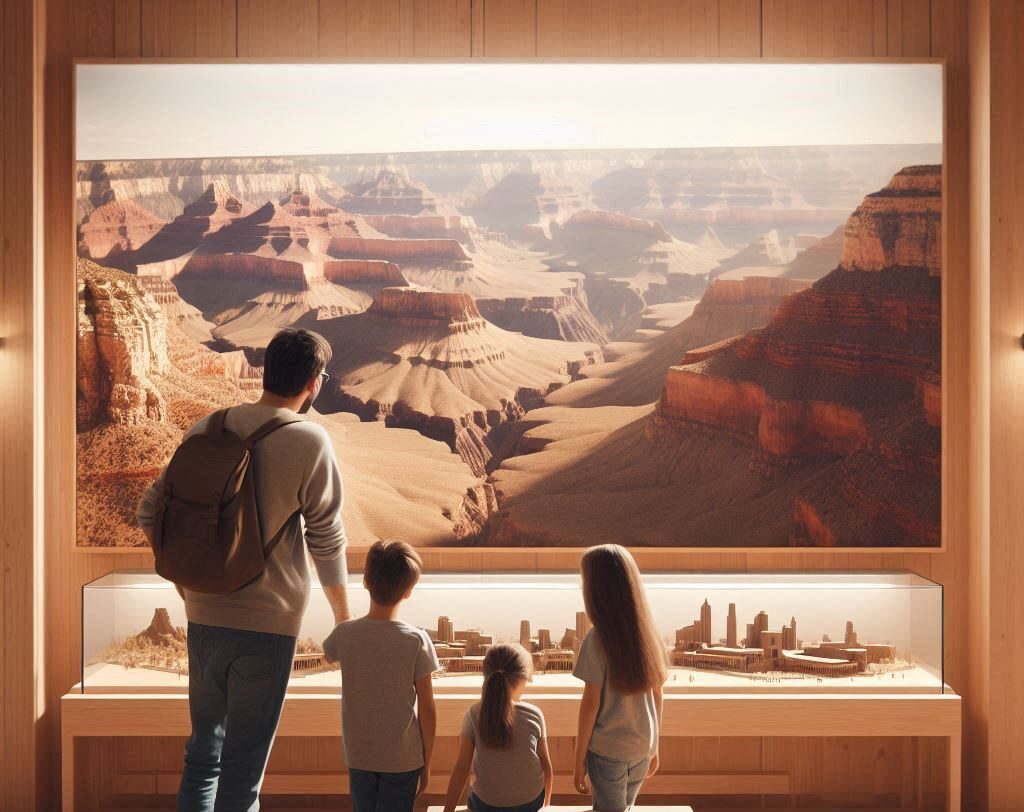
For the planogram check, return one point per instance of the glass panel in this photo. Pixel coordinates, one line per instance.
(724, 632)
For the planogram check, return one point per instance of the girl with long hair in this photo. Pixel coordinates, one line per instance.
(504, 741)
(622, 662)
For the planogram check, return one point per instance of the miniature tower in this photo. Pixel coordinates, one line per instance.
(544, 639)
(524, 634)
(705, 622)
(730, 627)
(792, 625)
(748, 641)
(788, 638)
(851, 635)
(445, 630)
(760, 625)
(582, 629)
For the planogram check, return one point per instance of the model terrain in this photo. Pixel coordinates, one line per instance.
(748, 655)
(695, 347)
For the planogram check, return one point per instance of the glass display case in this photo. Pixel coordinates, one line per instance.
(859, 632)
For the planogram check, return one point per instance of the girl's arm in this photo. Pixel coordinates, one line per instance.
(426, 714)
(659, 703)
(460, 774)
(590, 704)
(545, 765)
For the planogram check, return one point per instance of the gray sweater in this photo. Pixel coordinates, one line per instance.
(295, 470)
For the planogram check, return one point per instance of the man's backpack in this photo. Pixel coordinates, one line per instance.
(206, 534)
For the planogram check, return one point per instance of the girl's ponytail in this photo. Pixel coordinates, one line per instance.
(505, 667)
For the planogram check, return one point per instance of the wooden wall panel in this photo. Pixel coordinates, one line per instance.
(127, 28)
(586, 28)
(188, 28)
(824, 28)
(442, 28)
(21, 618)
(739, 28)
(269, 28)
(367, 28)
(909, 28)
(508, 27)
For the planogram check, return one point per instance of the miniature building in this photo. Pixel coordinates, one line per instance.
(304, 664)
(524, 635)
(730, 627)
(788, 638)
(705, 622)
(445, 630)
(851, 635)
(544, 639)
(465, 665)
(556, 661)
(771, 646)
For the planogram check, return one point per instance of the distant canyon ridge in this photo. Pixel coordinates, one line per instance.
(673, 348)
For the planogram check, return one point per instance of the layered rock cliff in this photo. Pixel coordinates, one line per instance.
(389, 192)
(428, 360)
(844, 377)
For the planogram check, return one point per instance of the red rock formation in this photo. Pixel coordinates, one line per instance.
(352, 272)
(161, 632)
(766, 251)
(818, 258)
(116, 227)
(122, 342)
(390, 192)
(419, 227)
(520, 202)
(898, 227)
(846, 371)
(611, 222)
(427, 360)
(301, 203)
(414, 253)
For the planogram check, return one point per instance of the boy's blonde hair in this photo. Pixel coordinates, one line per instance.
(392, 569)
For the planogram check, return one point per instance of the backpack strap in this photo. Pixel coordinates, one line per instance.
(270, 427)
(216, 422)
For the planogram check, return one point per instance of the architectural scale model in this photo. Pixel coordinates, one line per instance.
(763, 649)
(162, 646)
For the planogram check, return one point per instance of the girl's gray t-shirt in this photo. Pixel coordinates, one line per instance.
(627, 724)
(509, 777)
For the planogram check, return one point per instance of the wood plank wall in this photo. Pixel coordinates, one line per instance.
(20, 263)
(506, 28)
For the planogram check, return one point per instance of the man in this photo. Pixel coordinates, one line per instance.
(241, 644)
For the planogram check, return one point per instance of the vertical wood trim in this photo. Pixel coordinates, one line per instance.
(267, 28)
(21, 61)
(478, 14)
(1006, 544)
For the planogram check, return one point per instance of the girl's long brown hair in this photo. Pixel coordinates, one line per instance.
(616, 604)
(505, 666)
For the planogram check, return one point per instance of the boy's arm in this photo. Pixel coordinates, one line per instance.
(426, 715)
(659, 703)
(460, 774)
(545, 765)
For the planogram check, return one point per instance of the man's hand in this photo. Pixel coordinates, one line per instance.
(655, 762)
(579, 778)
(424, 780)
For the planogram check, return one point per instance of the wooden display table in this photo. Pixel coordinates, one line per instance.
(694, 715)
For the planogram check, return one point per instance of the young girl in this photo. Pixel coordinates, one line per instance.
(623, 663)
(504, 741)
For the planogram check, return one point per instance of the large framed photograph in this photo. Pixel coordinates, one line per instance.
(669, 305)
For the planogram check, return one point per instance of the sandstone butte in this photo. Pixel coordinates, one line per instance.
(116, 227)
(427, 360)
(390, 192)
(142, 382)
(846, 371)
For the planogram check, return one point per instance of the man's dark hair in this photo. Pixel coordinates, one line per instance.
(392, 567)
(293, 358)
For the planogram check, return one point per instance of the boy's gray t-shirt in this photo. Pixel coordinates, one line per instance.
(380, 662)
(511, 777)
(627, 724)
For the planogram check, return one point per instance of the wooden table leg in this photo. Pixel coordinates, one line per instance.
(954, 788)
(67, 771)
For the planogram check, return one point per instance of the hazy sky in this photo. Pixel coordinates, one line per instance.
(168, 111)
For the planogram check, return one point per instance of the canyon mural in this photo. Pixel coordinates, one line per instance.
(696, 347)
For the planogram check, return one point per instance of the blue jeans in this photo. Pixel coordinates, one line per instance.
(476, 805)
(383, 792)
(615, 784)
(236, 687)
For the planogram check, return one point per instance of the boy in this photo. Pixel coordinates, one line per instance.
(388, 717)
